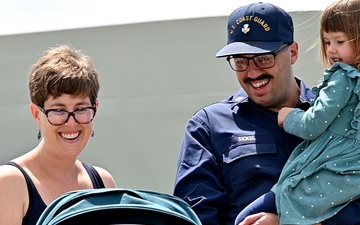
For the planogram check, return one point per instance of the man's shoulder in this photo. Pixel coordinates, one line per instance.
(219, 105)
(224, 106)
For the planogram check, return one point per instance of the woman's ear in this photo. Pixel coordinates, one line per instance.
(35, 111)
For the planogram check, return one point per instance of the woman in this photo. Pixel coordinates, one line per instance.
(63, 87)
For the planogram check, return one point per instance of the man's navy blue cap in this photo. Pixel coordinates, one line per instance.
(257, 28)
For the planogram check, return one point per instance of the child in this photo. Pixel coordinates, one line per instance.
(323, 173)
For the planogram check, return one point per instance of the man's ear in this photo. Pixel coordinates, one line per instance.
(294, 51)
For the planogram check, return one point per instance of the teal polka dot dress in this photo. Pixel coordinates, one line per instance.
(323, 173)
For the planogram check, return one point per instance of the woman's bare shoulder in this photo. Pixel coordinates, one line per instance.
(11, 179)
(9, 172)
(107, 178)
(14, 195)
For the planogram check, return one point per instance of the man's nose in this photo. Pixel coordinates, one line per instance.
(253, 70)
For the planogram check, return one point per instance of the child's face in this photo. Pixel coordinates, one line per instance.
(339, 48)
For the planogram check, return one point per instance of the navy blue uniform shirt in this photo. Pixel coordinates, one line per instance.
(233, 151)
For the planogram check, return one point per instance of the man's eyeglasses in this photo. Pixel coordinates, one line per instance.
(58, 117)
(240, 63)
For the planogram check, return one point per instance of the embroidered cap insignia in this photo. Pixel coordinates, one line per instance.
(245, 29)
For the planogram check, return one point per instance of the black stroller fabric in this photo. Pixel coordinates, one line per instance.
(118, 206)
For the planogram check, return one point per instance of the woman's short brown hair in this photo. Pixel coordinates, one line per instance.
(63, 70)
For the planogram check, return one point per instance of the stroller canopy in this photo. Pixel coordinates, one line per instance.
(118, 206)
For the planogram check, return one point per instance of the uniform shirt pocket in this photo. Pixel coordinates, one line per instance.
(242, 146)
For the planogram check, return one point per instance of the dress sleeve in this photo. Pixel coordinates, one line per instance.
(332, 96)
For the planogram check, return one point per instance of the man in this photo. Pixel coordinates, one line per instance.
(233, 151)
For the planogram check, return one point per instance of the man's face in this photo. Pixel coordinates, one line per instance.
(271, 87)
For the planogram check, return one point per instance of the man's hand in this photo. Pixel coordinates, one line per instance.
(261, 219)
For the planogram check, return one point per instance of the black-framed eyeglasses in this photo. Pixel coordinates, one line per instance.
(240, 63)
(58, 117)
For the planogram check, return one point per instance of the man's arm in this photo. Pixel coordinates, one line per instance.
(198, 176)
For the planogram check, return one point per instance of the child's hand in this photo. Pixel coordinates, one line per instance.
(283, 112)
(261, 218)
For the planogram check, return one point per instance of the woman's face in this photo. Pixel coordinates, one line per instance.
(70, 138)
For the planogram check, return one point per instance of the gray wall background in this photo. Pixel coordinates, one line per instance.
(154, 76)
